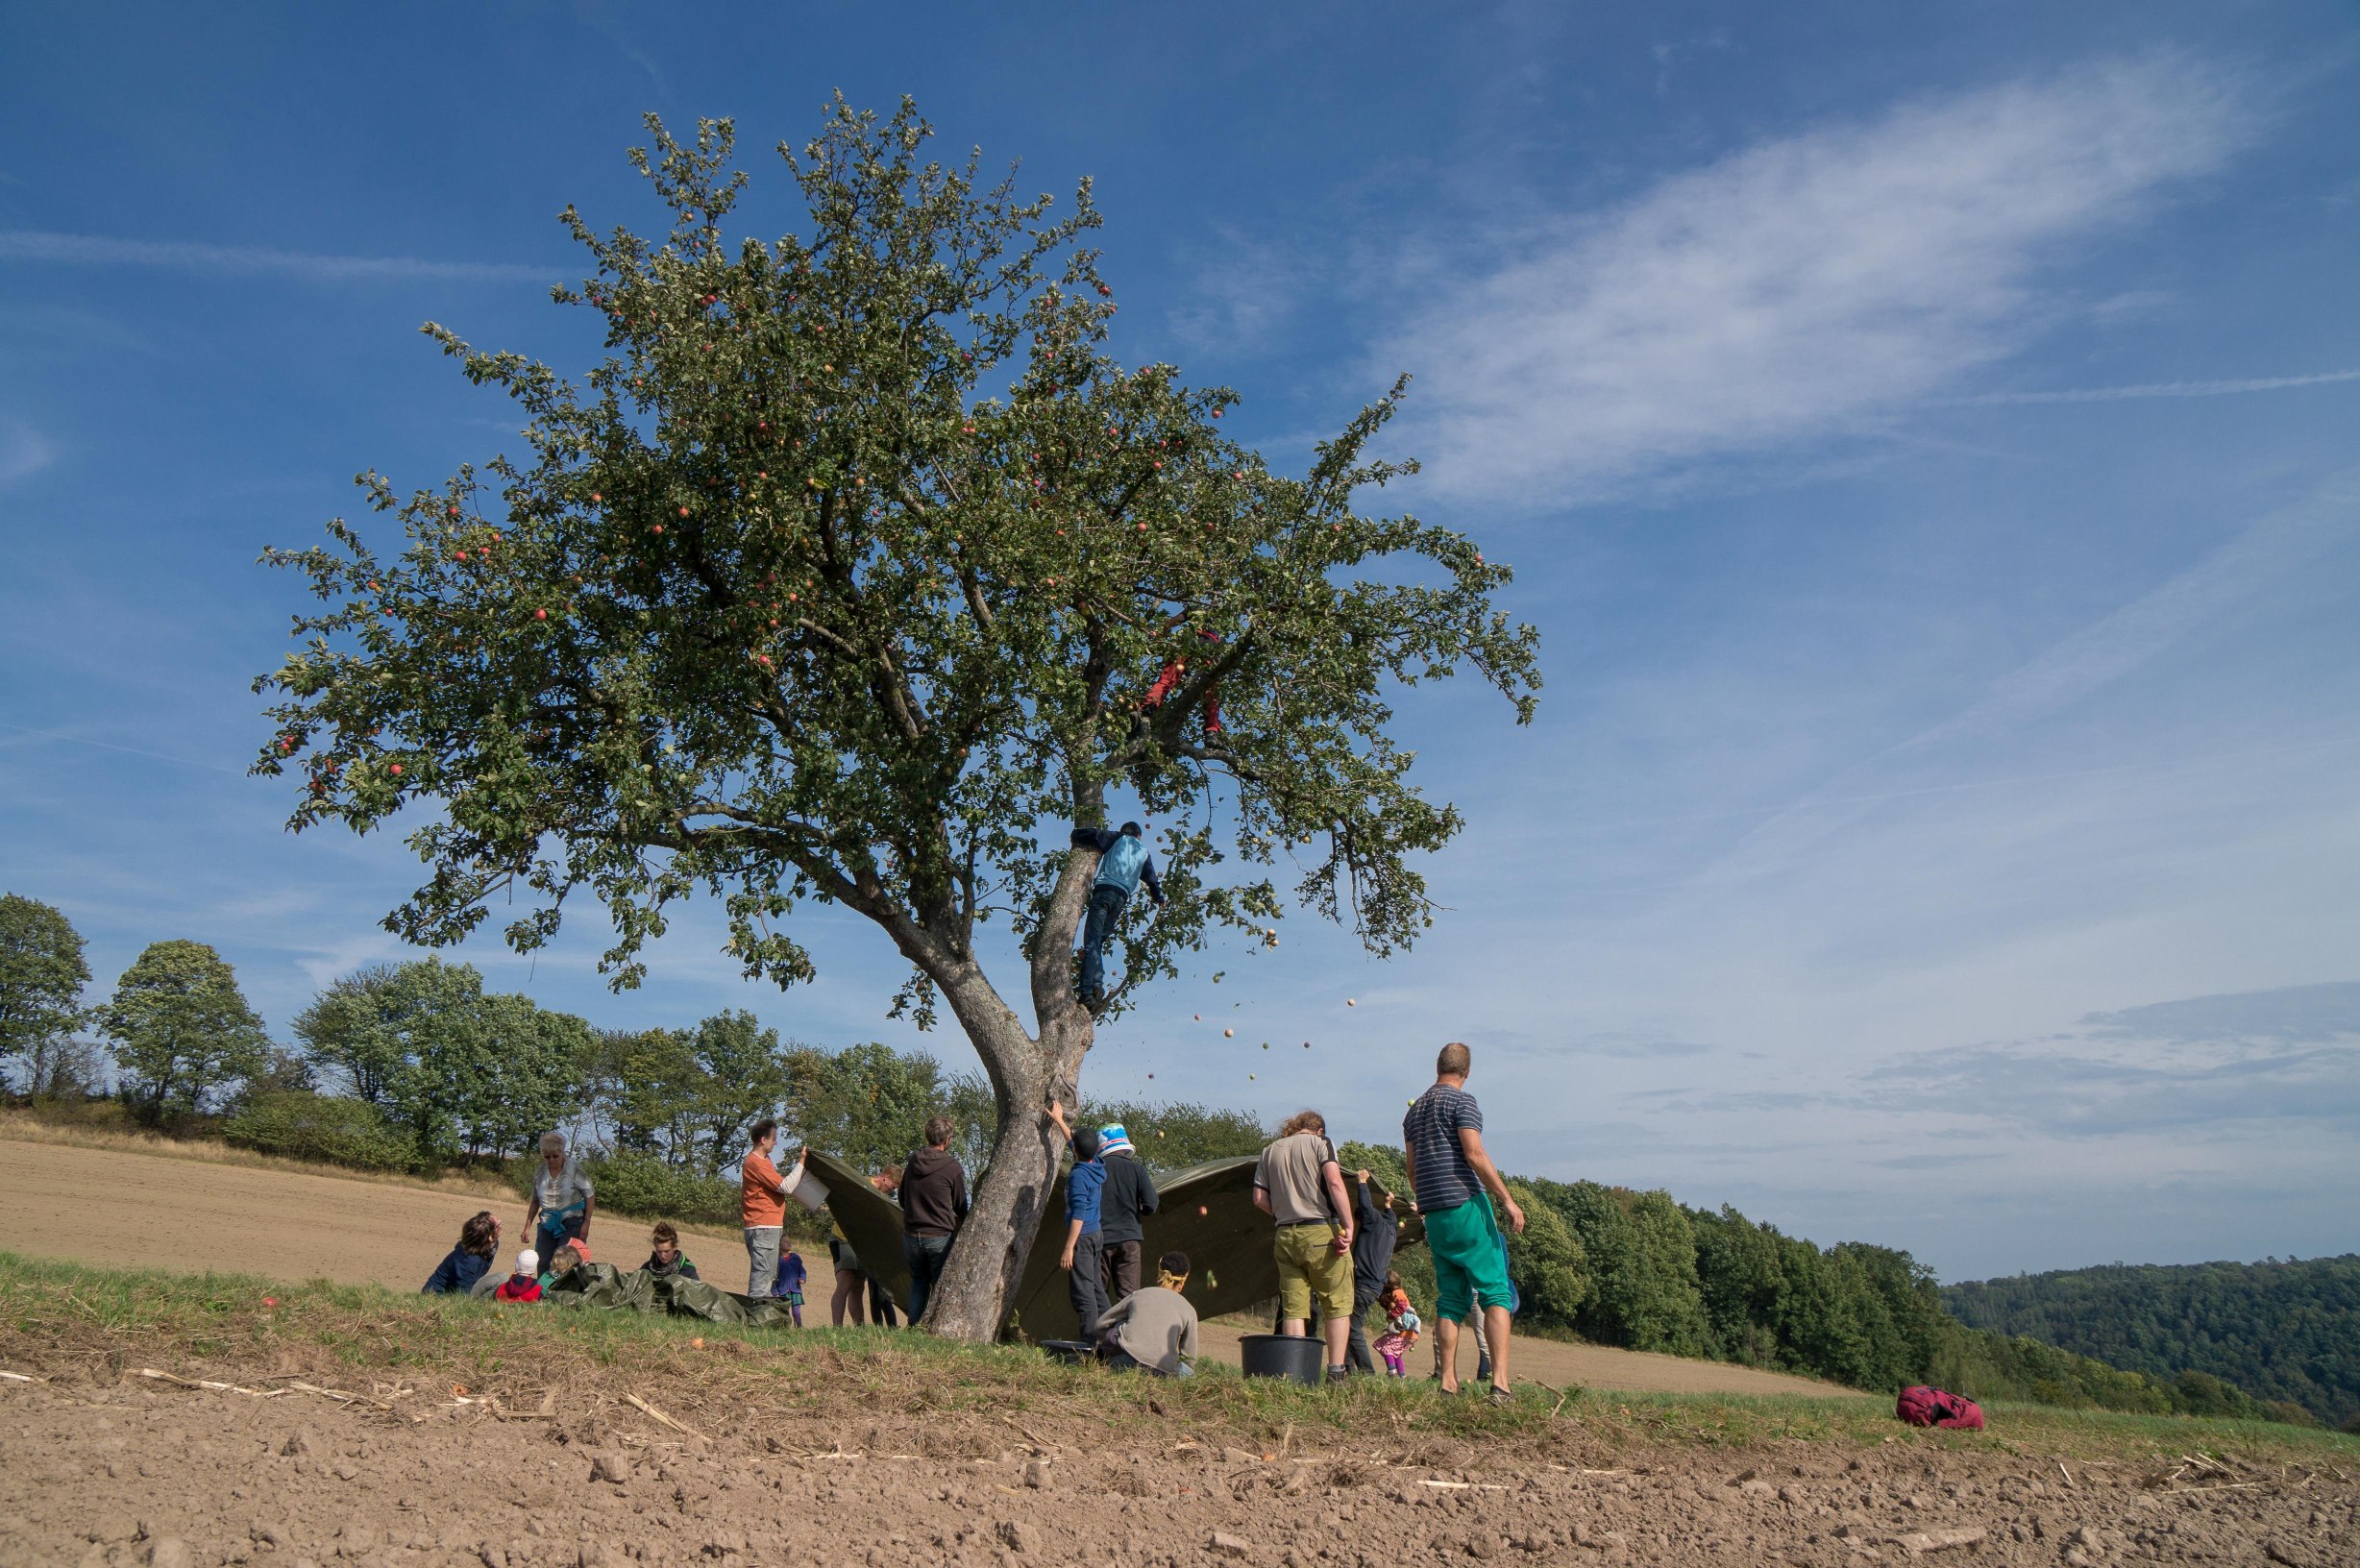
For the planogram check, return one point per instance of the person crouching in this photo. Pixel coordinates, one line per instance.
(1153, 1330)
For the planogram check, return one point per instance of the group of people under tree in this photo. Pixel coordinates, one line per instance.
(1333, 1242)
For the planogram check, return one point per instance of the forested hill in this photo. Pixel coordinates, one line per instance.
(2286, 1331)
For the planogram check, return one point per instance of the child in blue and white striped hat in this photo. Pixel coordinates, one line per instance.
(1127, 1198)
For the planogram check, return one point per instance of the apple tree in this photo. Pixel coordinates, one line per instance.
(843, 575)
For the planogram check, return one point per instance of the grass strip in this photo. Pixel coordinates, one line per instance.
(900, 1391)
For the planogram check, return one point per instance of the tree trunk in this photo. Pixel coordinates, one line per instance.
(987, 1261)
(971, 1299)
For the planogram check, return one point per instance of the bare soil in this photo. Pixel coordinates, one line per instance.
(127, 1209)
(357, 1429)
(133, 1471)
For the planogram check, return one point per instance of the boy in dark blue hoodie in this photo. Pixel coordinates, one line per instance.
(1082, 1260)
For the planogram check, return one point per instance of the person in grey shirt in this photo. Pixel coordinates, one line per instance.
(1153, 1330)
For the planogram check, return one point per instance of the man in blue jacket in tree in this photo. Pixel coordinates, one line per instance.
(1123, 863)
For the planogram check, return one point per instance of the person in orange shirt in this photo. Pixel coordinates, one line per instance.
(762, 1209)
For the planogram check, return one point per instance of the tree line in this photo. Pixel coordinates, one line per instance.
(415, 1066)
(2286, 1330)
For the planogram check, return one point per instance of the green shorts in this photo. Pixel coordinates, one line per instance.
(1470, 1260)
(1310, 1268)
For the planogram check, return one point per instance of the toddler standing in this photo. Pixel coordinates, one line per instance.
(1401, 1329)
(789, 1285)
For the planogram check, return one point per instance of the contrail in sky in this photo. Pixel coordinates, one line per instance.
(248, 260)
(2154, 389)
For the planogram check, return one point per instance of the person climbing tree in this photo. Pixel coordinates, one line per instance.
(1124, 864)
(1175, 670)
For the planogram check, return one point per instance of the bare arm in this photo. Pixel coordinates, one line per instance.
(1262, 1199)
(1334, 1176)
(1487, 1173)
(1073, 1234)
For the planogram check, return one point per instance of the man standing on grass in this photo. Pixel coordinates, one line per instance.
(1455, 1182)
(933, 1203)
(762, 1209)
(1299, 1184)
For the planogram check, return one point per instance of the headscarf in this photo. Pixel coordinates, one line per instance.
(1168, 1280)
(1113, 1140)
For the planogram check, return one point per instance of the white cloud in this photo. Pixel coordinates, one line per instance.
(250, 261)
(24, 452)
(1244, 292)
(1791, 291)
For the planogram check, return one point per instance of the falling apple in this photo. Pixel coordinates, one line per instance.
(1229, 1033)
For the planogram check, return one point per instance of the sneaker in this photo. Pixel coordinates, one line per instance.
(1339, 1374)
(1501, 1396)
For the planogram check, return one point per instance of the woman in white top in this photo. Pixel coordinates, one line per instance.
(561, 1199)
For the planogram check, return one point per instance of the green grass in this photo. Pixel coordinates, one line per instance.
(73, 1323)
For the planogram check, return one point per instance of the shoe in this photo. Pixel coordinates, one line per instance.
(1339, 1374)
(1501, 1396)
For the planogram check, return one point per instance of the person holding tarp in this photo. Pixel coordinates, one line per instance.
(933, 1193)
(762, 1209)
(1375, 1230)
(1454, 1182)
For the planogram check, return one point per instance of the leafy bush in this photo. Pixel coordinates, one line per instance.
(645, 1188)
(301, 1125)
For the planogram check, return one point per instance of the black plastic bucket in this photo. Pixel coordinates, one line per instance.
(1074, 1352)
(1284, 1356)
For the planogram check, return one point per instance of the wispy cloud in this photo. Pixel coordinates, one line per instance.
(1243, 293)
(1795, 291)
(2157, 390)
(251, 261)
(24, 451)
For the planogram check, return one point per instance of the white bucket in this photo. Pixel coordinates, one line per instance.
(804, 1188)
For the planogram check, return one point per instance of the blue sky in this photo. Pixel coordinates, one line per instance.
(1925, 441)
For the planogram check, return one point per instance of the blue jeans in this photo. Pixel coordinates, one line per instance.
(1105, 914)
(924, 1255)
(1086, 1283)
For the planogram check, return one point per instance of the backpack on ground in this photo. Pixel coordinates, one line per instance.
(1923, 1407)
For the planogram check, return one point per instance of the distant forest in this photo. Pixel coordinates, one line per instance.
(2280, 1331)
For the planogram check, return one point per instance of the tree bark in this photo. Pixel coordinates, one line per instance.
(986, 1261)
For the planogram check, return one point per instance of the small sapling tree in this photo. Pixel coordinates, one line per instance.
(782, 606)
